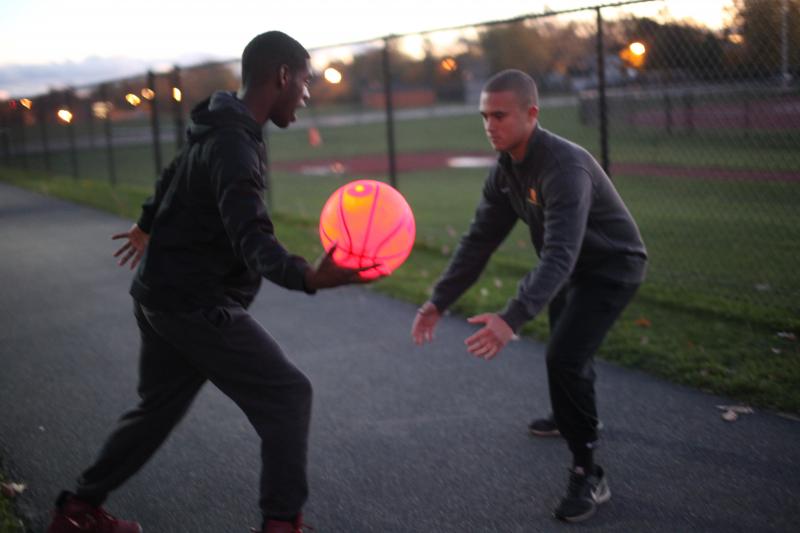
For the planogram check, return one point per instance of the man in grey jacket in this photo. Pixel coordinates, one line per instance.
(591, 261)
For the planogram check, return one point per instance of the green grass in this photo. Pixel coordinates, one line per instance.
(722, 279)
(708, 246)
(9, 521)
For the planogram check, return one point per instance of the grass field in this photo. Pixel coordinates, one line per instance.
(722, 282)
(687, 337)
(9, 522)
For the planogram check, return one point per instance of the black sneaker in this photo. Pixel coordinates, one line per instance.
(546, 427)
(584, 494)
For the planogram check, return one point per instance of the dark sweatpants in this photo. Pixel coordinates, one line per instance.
(580, 316)
(225, 345)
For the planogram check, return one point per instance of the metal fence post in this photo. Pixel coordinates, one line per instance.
(177, 107)
(73, 150)
(112, 169)
(44, 112)
(688, 111)
(387, 91)
(4, 138)
(601, 86)
(23, 147)
(668, 112)
(151, 83)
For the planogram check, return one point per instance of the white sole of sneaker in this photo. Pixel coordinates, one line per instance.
(536, 433)
(579, 518)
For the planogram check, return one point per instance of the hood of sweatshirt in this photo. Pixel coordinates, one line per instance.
(222, 110)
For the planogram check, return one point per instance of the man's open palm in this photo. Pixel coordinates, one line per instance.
(133, 249)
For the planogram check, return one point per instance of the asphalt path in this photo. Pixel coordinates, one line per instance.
(403, 439)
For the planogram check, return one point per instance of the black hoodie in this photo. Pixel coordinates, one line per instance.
(211, 238)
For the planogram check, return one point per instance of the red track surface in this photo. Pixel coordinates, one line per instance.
(371, 165)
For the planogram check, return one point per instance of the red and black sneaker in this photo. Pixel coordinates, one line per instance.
(279, 526)
(75, 516)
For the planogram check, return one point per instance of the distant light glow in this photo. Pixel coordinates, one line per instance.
(133, 99)
(634, 54)
(332, 75)
(176, 94)
(736, 38)
(26, 103)
(148, 93)
(449, 64)
(64, 115)
(101, 109)
(637, 48)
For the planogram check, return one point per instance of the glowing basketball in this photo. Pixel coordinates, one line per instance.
(370, 223)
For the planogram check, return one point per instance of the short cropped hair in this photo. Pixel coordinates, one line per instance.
(264, 55)
(517, 82)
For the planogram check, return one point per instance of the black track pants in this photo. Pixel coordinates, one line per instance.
(226, 346)
(580, 317)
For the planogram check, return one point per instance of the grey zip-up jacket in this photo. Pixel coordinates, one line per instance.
(577, 221)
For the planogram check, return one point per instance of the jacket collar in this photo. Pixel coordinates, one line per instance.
(532, 154)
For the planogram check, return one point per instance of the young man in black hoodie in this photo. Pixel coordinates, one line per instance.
(591, 261)
(205, 240)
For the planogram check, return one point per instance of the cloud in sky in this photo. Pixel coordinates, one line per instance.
(33, 79)
(51, 42)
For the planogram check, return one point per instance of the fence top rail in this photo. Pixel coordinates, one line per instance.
(519, 18)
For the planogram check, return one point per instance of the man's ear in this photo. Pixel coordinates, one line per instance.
(533, 112)
(283, 76)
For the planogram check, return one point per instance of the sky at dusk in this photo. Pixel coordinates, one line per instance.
(52, 43)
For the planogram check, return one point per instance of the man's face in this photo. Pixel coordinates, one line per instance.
(508, 123)
(294, 94)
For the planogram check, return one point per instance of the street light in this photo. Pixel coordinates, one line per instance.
(26, 103)
(637, 48)
(64, 115)
(634, 54)
(332, 76)
(101, 109)
(449, 64)
(148, 93)
(133, 99)
(177, 95)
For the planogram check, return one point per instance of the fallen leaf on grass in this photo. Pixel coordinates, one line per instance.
(741, 409)
(643, 322)
(788, 335)
(11, 490)
(731, 412)
(729, 416)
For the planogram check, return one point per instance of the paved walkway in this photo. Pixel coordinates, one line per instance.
(403, 439)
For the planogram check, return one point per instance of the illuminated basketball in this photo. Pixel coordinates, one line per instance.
(370, 223)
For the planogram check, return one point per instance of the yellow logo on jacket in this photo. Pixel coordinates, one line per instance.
(532, 197)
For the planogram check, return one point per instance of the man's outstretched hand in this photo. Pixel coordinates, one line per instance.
(133, 249)
(491, 338)
(328, 274)
(425, 323)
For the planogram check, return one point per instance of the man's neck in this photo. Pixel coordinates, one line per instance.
(259, 108)
(519, 152)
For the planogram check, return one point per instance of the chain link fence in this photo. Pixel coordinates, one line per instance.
(699, 128)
